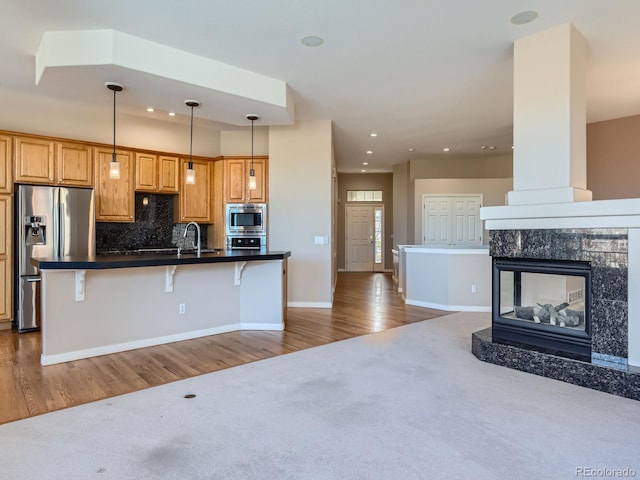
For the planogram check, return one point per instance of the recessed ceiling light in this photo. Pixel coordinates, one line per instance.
(483, 147)
(373, 134)
(150, 109)
(363, 170)
(446, 149)
(412, 149)
(172, 114)
(365, 163)
(369, 152)
(524, 17)
(312, 41)
(492, 147)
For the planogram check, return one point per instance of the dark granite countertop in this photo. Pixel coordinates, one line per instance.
(98, 262)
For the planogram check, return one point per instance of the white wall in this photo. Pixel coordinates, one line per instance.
(238, 142)
(77, 122)
(493, 192)
(400, 212)
(300, 207)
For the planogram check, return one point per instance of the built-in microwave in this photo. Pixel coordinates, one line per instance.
(246, 219)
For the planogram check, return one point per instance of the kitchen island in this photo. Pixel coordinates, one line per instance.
(105, 304)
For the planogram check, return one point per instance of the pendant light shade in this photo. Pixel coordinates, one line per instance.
(114, 166)
(191, 173)
(252, 173)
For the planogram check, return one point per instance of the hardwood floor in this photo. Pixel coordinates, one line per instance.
(363, 303)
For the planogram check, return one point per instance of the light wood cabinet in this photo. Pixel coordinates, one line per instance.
(74, 164)
(41, 160)
(146, 172)
(195, 203)
(157, 173)
(6, 260)
(34, 160)
(236, 180)
(114, 198)
(6, 164)
(168, 174)
(231, 185)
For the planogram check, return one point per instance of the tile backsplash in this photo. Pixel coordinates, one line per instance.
(153, 227)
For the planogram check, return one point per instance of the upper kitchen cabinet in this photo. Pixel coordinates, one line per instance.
(6, 162)
(74, 164)
(34, 160)
(157, 173)
(195, 200)
(236, 180)
(114, 198)
(42, 160)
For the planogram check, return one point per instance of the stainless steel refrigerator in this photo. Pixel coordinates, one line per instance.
(50, 222)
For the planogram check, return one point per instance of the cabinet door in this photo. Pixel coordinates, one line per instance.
(195, 200)
(114, 198)
(146, 172)
(6, 258)
(169, 174)
(6, 164)
(236, 175)
(259, 195)
(34, 160)
(75, 164)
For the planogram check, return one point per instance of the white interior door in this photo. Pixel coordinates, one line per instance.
(359, 245)
(437, 220)
(467, 227)
(451, 220)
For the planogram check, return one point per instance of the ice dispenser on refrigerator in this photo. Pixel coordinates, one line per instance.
(50, 222)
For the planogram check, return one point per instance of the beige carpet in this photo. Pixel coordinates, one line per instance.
(409, 403)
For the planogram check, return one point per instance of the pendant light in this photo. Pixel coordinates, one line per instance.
(191, 173)
(114, 166)
(252, 172)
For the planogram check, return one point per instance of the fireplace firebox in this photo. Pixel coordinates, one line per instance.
(543, 304)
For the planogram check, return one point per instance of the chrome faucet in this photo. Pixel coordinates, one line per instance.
(184, 235)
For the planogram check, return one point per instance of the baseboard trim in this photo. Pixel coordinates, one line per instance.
(151, 342)
(309, 305)
(449, 308)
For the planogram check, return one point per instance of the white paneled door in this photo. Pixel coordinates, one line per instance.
(451, 220)
(359, 251)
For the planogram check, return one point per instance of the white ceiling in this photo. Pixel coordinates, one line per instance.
(422, 74)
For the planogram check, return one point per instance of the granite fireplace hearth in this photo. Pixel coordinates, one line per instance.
(597, 285)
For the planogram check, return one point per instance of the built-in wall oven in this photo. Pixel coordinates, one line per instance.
(246, 226)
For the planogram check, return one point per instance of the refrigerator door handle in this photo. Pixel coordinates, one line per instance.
(56, 236)
(61, 232)
(34, 279)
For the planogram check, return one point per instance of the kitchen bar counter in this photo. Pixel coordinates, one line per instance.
(106, 304)
(155, 260)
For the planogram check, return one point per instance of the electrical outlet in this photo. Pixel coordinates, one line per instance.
(474, 289)
(182, 308)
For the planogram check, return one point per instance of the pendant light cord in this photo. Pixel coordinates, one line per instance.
(191, 142)
(113, 158)
(252, 145)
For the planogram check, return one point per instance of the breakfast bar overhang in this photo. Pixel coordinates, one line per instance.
(99, 305)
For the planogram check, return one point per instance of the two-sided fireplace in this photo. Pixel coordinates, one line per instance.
(543, 304)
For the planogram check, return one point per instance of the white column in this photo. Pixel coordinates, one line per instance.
(549, 118)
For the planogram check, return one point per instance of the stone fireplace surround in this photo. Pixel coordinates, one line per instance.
(607, 251)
